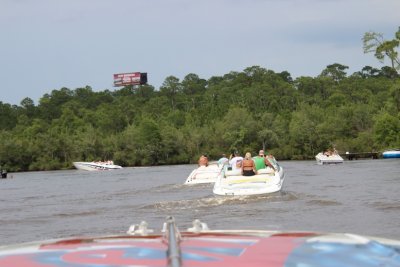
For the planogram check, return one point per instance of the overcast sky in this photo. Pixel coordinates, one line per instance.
(50, 44)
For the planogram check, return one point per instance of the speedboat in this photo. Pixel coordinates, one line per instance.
(323, 158)
(204, 174)
(395, 153)
(200, 246)
(96, 166)
(266, 181)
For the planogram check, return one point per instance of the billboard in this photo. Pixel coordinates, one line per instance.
(131, 78)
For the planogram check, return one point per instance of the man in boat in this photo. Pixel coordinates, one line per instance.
(328, 153)
(259, 161)
(203, 160)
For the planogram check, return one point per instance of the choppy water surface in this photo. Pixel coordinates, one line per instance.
(360, 197)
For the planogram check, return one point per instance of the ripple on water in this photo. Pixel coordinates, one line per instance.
(77, 214)
(386, 206)
(187, 204)
(168, 187)
(323, 202)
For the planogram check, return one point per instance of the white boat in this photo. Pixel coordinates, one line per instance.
(266, 181)
(388, 154)
(204, 174)
(200, 246)
(96, 166)
(328, 159)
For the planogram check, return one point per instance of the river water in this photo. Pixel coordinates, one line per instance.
(360, 197)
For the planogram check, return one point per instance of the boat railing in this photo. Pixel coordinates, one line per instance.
(172, 238)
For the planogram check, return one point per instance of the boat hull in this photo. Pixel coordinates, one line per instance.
(94, 166)
(390, 154)
(260, 184)
(333, 159)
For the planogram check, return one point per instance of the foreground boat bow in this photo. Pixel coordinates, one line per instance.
(199, 246)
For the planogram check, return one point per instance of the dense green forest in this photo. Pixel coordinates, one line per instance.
(249, 110)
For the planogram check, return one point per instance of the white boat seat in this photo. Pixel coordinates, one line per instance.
(267, 170)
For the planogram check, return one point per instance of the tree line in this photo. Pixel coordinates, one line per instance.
(246, 111)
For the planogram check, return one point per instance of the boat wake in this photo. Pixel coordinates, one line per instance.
(77, 214)
(212, 201)
(166, 187)
(188, 204)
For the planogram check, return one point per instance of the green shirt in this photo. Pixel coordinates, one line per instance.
(259, 162)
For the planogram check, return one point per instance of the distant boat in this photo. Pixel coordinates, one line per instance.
(96, 166)
(203, 174)
(395, 153)
(323, 158)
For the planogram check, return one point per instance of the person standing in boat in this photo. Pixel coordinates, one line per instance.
(223, 160)
(248, 165)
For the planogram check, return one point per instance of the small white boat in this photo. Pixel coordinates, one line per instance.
(265, 182)
(328, 159)
(388, 154)
(96, 166)
(204, 174)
